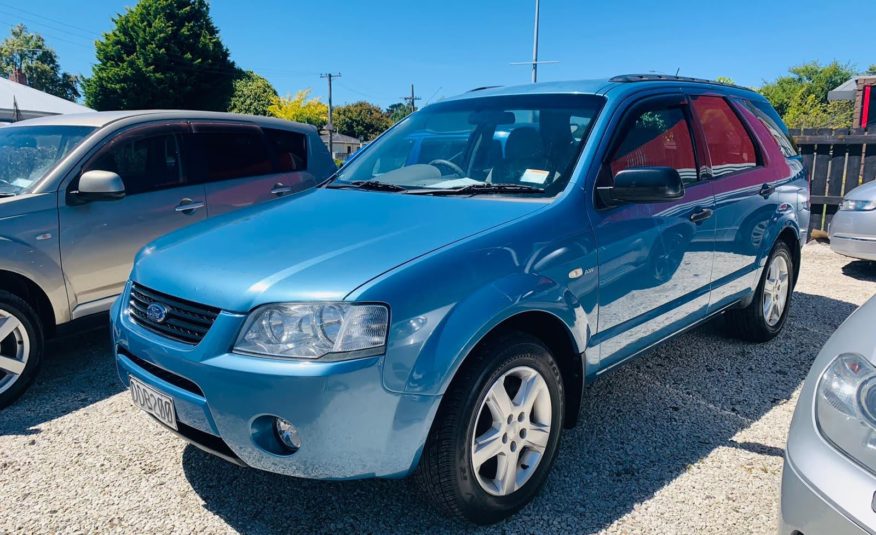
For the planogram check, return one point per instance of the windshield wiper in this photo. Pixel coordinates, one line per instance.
(479, 189)
(7, 194)
(372, 185)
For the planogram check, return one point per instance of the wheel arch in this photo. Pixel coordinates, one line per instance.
(33, 294)
(791, 238)
(560, 341)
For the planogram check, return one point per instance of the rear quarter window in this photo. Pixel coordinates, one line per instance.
(771, 120)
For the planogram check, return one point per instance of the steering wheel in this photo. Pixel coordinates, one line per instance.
(447, 163)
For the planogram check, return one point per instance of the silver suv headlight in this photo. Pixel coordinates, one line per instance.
(327, 331)
(845, 407)
(858, 206)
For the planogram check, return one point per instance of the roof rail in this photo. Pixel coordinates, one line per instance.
(626, 78)
(483, 88)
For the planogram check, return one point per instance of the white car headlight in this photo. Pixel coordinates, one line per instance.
(858, 206)
(845, 407)
(328, 331)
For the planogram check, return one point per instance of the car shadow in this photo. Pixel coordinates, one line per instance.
(78, 371)
(862, 270)
(640, 428)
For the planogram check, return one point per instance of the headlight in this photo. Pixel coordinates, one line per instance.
(332, 331)
(845, 407)
(858, 206)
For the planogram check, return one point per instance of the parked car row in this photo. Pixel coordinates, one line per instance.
(437, 306)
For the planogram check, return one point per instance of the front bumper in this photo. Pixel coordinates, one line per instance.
(350, 426)
(806, 511)
(853, 234)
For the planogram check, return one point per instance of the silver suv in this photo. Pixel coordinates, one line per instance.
(80, 194)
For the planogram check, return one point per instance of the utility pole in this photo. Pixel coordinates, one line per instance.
(534, 63)
(411, 100)
(330, 127)
(535, 47)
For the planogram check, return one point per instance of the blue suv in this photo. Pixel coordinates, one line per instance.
(437, 307)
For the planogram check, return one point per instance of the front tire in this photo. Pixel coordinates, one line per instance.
(763, 319)
(21, 347)
(496, 434)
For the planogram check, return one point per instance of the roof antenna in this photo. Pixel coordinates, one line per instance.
(678, 70)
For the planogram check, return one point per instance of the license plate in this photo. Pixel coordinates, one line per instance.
(153, 402)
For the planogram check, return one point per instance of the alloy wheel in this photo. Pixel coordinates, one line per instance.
(14, 349)
(512, 431)
(775, 290)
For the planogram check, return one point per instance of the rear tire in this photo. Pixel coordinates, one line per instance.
(763, 319)
(487, 455)
(21, 347)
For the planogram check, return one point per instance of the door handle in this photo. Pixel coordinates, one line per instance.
(766, 190)
(189, 207)
(280, 189)
(701, 214)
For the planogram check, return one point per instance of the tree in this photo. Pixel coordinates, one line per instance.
(725, 80)
(300, 108)
(251, 94)
(28, 53)
(801, 97)
(162, 54)
(398, 111)
(361, 119)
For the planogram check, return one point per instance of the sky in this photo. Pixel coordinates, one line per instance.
(447, 47)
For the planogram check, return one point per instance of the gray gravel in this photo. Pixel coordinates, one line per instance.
(687, 439)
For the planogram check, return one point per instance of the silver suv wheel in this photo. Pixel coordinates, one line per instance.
(516, 431)
(14, 349)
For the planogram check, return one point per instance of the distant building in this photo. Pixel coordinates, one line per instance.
(859, 89)
(343, 146)
(19, 102)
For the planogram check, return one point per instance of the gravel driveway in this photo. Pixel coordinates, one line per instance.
(687, 439)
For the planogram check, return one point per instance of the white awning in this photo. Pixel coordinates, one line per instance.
(845, 91)
(31, 102)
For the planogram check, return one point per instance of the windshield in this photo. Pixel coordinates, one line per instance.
(509, 144)
(28, 153)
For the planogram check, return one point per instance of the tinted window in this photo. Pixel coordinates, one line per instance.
(770, 119)
(657, 138)
(145, 164)
(730, 147)
(290, 149)
(230, 154)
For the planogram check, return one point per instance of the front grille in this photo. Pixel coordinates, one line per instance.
(186, 321)
(170, 377)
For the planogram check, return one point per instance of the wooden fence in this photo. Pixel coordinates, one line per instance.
(837, 162)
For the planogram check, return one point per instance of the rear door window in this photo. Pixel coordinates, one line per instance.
(290, 149)
(225, 153)
(145, 164)
(657, 137)
(731, 148)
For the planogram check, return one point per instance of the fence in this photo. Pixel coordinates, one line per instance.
(838, 161)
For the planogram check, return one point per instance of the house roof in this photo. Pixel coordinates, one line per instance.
(31, 102)
(339, 138)
(847, 89)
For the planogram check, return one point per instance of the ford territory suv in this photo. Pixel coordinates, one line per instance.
(440, 313)
(80, 194)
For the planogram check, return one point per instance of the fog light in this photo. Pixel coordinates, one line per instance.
(287, 433)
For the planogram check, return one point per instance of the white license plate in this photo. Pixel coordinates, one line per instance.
(153, 402)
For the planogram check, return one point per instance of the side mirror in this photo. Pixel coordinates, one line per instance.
(99, 186)
(644, 185)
